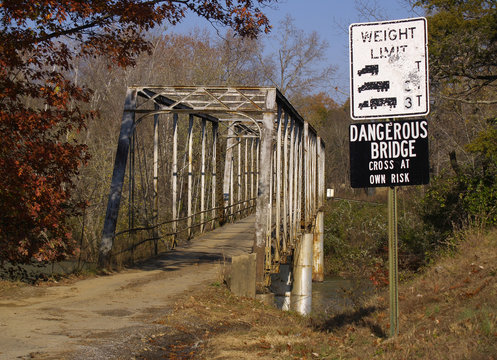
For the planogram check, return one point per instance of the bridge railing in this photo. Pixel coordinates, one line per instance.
(293, 184)
(190, 158)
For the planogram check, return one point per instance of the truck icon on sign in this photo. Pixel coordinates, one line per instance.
(364, 104)
(391, 102)
(368, 69)
(375, 85)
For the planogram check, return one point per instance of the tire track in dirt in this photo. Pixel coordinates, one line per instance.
(99, 318)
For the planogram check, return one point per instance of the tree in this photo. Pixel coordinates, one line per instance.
(40, 104)
(463, 47)
(332, 125)
(463, 74)
(296, 67)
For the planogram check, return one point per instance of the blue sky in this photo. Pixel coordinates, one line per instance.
(330, 18)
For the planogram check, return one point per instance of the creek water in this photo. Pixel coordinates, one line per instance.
(334, 295)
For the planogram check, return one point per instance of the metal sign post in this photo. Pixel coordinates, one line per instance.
(393, 266)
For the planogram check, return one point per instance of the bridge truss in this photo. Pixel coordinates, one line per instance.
(190, 158)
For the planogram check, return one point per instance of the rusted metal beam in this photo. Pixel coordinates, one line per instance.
(190, 175)
(318, 249)
(214, 173)
(277, 180)
(109, 229)
(155, 194)
(202, 176)
(284, 165)
(262, 211)
(285, 185)
(174, 177)
(239, 175)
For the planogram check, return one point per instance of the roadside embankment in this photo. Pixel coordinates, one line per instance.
(447, 312)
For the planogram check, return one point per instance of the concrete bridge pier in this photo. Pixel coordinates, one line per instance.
(307, 267)
(301, 298)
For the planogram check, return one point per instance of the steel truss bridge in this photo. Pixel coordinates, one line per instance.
(191, 158)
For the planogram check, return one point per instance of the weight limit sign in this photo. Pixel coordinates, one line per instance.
(389, 69)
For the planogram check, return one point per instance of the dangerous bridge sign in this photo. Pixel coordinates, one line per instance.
(389, 69)
(393, 153)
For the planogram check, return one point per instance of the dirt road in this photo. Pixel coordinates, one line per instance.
(99, 318)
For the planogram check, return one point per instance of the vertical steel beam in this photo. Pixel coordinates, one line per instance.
(109, 229)
(321, 184)
(131, 184)
(228, 171)
(301, 183)
(202, 177)
(174, 177)
(190, 175)
(264, 172)
(155, 211)
(318, 249)
(296, 179)
(285, 184)
(245, 168)
(214, 173)
(131, 180)
(278, 178)
(291, 179)
(257, 164)
(312, 176)
(306, 171)
(252, 170)
(239, 176)
(269, 240)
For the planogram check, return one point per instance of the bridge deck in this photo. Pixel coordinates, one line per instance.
(89, 318)
(220, 244)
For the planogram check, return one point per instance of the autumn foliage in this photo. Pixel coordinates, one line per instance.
(42, 106)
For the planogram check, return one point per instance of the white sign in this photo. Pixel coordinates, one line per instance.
(389, 69)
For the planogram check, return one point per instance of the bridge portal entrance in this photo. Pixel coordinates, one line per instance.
(191, 158)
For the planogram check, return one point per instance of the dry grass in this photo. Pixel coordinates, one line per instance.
(448, 312)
